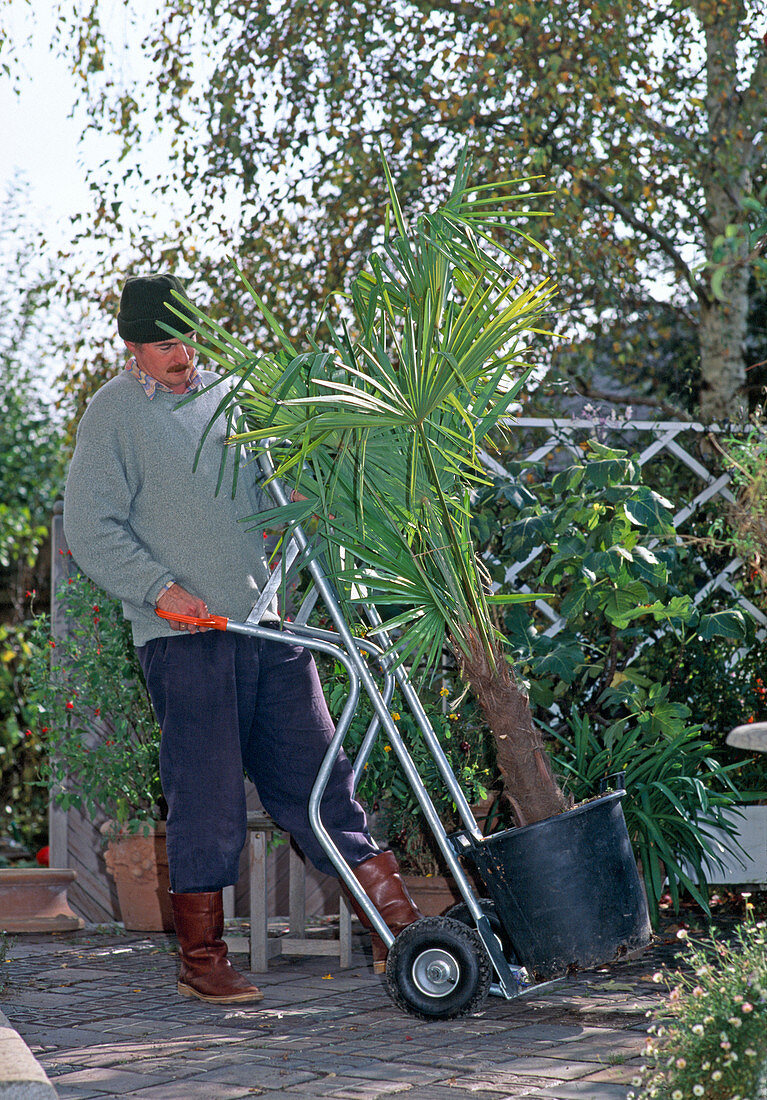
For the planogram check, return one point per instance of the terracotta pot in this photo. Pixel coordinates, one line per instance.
(433, 894)
(34, 899)
(139, 866)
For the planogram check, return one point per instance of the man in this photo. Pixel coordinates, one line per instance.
(143, 518)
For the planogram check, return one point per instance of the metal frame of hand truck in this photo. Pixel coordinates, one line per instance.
(350, 651)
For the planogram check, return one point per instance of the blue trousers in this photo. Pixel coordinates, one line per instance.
(229, 704)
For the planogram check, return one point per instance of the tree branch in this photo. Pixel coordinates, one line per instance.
(642, 227)
(585, 390)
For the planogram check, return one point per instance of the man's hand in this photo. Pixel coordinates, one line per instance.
(177, 600)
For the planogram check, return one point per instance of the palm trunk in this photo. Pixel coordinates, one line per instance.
(528, 781)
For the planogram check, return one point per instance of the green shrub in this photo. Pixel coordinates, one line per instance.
(94, 714)
(24, 806)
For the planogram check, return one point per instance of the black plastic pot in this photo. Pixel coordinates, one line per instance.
(567, 889)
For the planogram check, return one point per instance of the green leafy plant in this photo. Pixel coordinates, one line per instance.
(23, 805)
(385, 792)
(94, 713)
(709, 1039)
(605, 543)
(677, 791)
(722, 682)
(31, 430)
(744, 525)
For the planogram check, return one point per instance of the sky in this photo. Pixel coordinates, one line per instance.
(42, 142)
(39, 133)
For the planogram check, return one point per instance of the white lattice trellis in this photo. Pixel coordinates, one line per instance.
(548, 436)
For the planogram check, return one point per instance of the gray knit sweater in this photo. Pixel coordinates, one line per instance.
(136, 514)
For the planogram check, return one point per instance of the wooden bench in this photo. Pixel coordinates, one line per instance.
(261, 830)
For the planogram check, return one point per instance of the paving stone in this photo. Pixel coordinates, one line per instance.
(255, 1074)
(585, 1090)
(191, 1090)
(76, 1092)
(107, 1079)
(370, 1090)
(551, 1068)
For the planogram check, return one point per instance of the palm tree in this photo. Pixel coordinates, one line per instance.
(384, 428)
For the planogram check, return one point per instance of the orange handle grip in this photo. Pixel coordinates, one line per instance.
(217, 622)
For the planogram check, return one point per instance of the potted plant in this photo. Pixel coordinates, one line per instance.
(103, 743)
(381, 430)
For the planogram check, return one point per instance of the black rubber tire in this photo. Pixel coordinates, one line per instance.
(460, 912)
(438, 969)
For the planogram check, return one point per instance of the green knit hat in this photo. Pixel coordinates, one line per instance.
(143, 304)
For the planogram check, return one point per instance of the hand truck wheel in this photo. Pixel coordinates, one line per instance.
(460, 912)
(438, 969)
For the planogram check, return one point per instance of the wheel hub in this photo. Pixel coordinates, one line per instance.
(436, 972)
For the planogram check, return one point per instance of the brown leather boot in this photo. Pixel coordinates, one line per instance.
(379, 877)
(206, 972)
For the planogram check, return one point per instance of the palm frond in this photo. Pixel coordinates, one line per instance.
(386, 422)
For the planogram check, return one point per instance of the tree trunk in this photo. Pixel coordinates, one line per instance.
(528, 781)
(722, 334)
(726, 180)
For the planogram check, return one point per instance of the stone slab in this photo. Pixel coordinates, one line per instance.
(21, 1075)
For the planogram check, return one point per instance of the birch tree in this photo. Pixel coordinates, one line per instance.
(646, 119)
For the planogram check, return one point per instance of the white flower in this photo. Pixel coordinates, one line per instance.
(682, 934)
(716, 1075)
(698, 1090)
(698, 1029)
(681, 1063)
(677, 1094)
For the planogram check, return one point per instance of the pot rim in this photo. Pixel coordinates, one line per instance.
(574, 811)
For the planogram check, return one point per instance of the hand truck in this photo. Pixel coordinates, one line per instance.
(438, 967)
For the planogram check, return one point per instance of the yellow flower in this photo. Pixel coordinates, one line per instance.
(395, 715)
(387, 748)
(444, 692)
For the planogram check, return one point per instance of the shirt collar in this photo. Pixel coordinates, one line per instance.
(150, 385)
